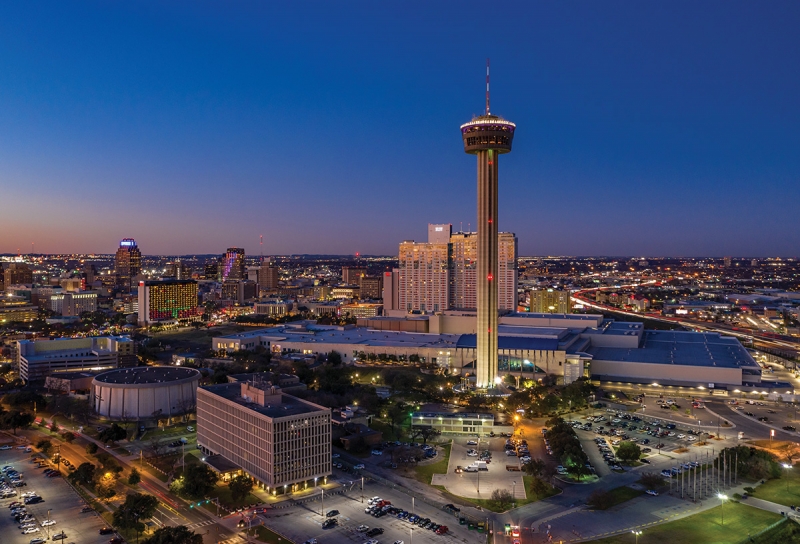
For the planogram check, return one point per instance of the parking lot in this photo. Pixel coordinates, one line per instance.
(60, 502)
(480, 484)
(303, 522)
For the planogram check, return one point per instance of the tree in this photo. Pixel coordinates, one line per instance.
(651, 480)
(84, 474)
(91, 448)
(134, 477)
(156, 445)
(112, 434)
(186, 405)
(174, 535)
(334, 358)
(539, 487)
(535, 467)
(424, 432)
(502, 498)
(198, 481)
(16, 420)
(396, 413)
(600, 499)
(240, 486)
(68, 437)
(44, 445)
(105, 487)
(628, 451)
(137, 506)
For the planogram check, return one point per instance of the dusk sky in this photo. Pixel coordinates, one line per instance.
(643, 128)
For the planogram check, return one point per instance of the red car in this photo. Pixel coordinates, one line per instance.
(441, 530)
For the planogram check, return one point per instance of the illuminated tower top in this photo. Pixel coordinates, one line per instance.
(487, 131)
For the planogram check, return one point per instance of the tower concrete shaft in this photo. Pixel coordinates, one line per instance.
(487, 266)
(487, 137)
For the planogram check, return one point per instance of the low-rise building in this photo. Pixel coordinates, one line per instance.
(281, 441)
(38, 359)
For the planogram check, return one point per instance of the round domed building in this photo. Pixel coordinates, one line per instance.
(145, 393)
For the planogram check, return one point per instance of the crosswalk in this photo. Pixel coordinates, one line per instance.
(201, 524)
(235, 540)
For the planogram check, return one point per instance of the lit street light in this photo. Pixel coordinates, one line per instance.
(722, 499)
(787, 466)
(636, 536)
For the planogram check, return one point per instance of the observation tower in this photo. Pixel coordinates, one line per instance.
(487, 136)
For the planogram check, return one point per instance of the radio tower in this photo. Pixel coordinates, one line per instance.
(487, 136)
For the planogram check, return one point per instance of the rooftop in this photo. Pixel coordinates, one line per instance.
(147, 375)
(681, 348)
(288, 405)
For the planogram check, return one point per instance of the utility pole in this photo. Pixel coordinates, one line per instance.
(322, 513)
(362, 490)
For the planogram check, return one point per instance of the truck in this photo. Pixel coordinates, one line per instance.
(513, 468)
(741, 435)
(481, 465)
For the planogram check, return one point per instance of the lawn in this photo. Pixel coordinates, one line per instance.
(265, 535)
(223, 493)
(706, 527)
(621, 494)
(489, 505)
(788, 531)
(784, 490)
(424, 473)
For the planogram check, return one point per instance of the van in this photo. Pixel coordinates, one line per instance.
(470, 468)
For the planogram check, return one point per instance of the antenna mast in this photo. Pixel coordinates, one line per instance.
(261, 237)
(487, 86)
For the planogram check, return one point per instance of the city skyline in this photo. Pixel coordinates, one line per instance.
(648, 132)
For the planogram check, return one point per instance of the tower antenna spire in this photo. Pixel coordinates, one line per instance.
(487, 86)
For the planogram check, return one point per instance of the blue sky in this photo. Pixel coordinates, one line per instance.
(332, 127)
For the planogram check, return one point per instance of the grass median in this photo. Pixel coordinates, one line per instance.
(740, 522)
(784, 490)
(424, 473)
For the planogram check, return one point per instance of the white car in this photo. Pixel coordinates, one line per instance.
(681, 436)
(691, 438)
(6, 447)
(371, 541)
(377, 452)
(48, 522)
(472, 453)
(363, 528)
(652, 492)
(359, 466)
(31, 530)
(472, 443)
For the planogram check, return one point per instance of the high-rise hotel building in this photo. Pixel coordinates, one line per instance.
(282, 441)
(233, 265)
(441, 274)
(127, 263)
(168, 300)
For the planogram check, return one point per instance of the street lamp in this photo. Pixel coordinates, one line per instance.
(514, 490)
(636, 536)
(787, 466)
(722, 499)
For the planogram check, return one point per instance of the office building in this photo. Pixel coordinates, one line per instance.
(168, 300)
(17, 311)
(38, 359)
(266, 275)
(351, 274)
(178, 270)
(73, 304)
(360, 310)
(239, 290)
(127, 263)
(233, 265)
(211, 269)
(549, 301)
(17, 274)
(487, 137)
(371, 287)
(391, 290)
(252, 427)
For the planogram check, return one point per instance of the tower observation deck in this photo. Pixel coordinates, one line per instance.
(487, 136)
